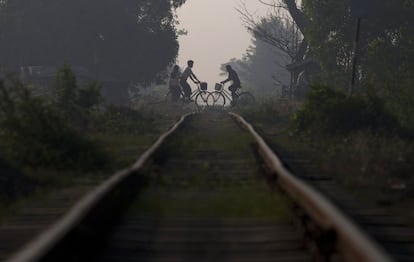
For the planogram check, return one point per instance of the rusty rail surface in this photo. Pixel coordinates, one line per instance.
(355, 244)
(44, 243)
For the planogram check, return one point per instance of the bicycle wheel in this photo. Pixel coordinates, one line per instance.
(201, 99)
(216, 99)
(245, 99)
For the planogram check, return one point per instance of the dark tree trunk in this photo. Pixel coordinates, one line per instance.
(302, 23)
(297, 15)
(303, 47)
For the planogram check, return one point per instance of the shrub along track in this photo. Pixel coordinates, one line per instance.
(31, 215)
(200, 194)
(393, 231)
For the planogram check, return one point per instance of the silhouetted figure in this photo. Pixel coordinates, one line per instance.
(188, 73)
(235, 85)
(174, 83)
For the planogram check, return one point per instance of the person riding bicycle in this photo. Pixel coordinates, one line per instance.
(235, 85)
(174, 83)
(188, 73)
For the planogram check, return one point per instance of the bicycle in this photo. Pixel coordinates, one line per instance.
(199, 96)
(221, 97)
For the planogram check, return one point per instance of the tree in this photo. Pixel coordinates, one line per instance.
(294, 18)
(328, 29)
(114, 40)
(263, 67)
(385, 42)
(385, 50)
(285, 30)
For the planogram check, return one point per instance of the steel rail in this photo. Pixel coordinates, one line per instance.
(45, 242)
(355, 244)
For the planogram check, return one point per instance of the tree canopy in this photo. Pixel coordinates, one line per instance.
(385, 49)
(329, 27)
(263, 64)
(386, 39)
(112, 39)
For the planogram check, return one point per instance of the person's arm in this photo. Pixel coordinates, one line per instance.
(225, 81)
(194, 78)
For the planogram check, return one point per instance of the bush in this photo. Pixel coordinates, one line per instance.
(331, 112)
(89, 96)
(12, 182)
(66, 89)
(76, 103)
(122, 119)
(36, 134)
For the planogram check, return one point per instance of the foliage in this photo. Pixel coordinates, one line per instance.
(12, 182)
(262, 68)
(270, 110)
(329, 111)
(113, 40)
(385, 39)
(76, 103)
(274, 45)
(387, 160)
(276, 30)
(361, 158)
(90, 96)
(34, 133)
(354, 159)
(66, 88)
(368, 137)
(400, 99)
(330, 35)
(121, 120)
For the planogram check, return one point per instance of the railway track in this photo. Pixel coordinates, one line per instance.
(209, 189)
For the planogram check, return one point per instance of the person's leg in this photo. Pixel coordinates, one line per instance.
(175, 92)
(186, 89)
(232, 89)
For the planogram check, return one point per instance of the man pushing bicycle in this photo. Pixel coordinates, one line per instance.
(235, 85)
(188, 73)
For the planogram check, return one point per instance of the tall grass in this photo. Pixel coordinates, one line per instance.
(49, 143)
(35, 133)
(357, 141)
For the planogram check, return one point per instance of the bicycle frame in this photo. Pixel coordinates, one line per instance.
(201, 97)
(220, 91)
(227, 94)
(197, 91)
(194, 93)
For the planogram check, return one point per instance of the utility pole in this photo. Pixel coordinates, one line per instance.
(355, 55)
(359, 9)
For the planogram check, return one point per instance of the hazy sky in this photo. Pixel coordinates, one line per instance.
(215, 35)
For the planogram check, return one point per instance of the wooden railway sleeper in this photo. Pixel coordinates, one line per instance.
(326, 230)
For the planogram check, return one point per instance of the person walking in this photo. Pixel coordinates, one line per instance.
(174, 83)
(188, 73)
(235, 83)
